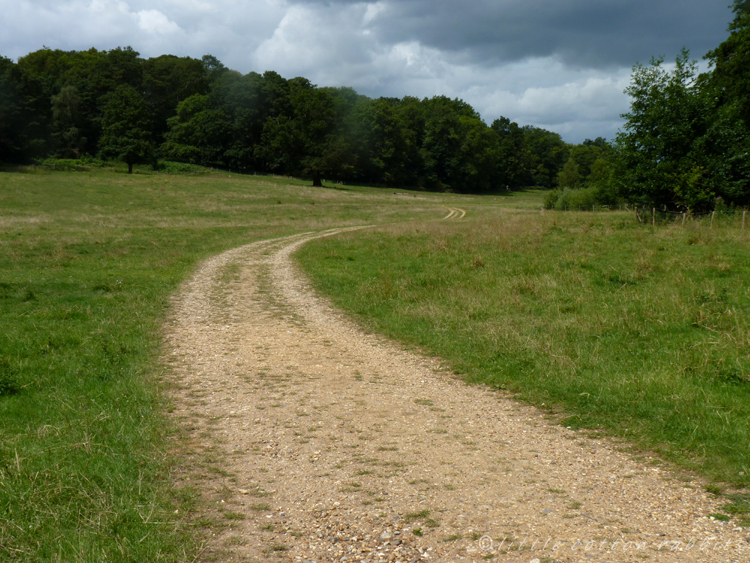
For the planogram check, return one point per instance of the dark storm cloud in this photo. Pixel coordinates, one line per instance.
(557, 64)
(581, 32)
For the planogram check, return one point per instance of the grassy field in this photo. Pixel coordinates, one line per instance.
(613, 325)
(640, 331)
(88, 261)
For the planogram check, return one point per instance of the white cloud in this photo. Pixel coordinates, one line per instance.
(153, 21)
(193, 5)
(101, 6)
(316, 43)
(372, 12)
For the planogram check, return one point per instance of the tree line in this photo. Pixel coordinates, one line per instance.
(684, 144)
(116, 105)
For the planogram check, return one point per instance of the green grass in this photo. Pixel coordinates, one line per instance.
(410, 517)
(88, 261)
(638, 331)
(621, 326)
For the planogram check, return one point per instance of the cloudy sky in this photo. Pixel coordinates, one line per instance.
(557, 64)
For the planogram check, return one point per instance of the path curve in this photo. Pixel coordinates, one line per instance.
(455, 213)
(336, 445)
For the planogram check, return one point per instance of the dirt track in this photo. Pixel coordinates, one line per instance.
(335, 445)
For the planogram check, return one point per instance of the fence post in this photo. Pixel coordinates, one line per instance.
(653, 217)
(683, 218)
(744, 212)
(712, 219)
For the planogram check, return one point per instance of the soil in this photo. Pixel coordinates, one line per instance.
(315, 441)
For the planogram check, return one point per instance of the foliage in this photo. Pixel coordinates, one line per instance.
(730, 79)
(661, 158)
(167, 81)
(586, 178)
(126, 133)
(181, 168)
(72, 164)
(197, 134)
(514, 153)
(575, 199)
(24, 114)
(92, 74)
(570, 175)
(548, 155)
(199, 112)
(686, 138)
(67, 137)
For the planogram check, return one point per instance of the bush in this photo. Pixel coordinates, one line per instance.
(568, 199)
(181, 168)
(582, 198)
(551, 198)
(72, 164)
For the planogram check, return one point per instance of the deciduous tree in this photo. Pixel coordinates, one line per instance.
(661, 161)
(126, 130)
(69, 142)
(24, 114)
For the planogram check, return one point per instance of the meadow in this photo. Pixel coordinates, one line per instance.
(635, 331)
(88, 261)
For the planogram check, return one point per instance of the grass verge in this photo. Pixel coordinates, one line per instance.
(613, 325)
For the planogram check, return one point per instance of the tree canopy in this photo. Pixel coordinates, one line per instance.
(685, 141)
(126, 132)
(115, 104)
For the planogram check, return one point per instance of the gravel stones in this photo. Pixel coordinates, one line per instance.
(314, 441)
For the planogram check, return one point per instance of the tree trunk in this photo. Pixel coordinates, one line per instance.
(316, 180)
(130, 167)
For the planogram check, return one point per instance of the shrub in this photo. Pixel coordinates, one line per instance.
(570, 199)
(72, 164)
(180, 168)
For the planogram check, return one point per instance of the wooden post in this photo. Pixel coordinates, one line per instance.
(744, 212)
(653, 217)
(636, 214)
(712, 219)
(683, 218)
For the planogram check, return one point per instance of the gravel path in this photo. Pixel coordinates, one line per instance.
(317, 442)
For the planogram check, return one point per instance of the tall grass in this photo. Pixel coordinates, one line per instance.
(87, 264)
(637, 330)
